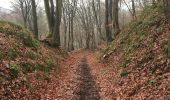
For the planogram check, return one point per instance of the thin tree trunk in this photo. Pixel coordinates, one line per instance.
(133, 10)
(72, 37)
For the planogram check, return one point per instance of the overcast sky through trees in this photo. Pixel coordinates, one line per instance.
(7, 3)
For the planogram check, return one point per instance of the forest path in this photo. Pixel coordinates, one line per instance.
(88, 89)
(82, 78)
(77, 81)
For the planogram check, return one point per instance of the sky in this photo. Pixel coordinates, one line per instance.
(6, 4)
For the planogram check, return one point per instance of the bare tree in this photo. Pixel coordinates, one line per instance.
(86, 16)
(69, 12)
(54, 19)
(49, 14)
(97, 16)
(25, 9)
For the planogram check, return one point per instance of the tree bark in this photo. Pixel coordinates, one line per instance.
(133, 10)
(56, 33)
(52, 16)
(34, 15)
(116, 27)
(48, 14)
(107, 24)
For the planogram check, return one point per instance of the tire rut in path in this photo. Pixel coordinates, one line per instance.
(88, 89)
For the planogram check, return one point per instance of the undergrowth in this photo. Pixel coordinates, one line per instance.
(20, 32)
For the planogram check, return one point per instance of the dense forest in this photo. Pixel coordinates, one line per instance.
(85, 50)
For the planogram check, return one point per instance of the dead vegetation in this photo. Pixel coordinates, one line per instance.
(143, 64)
(24, 62)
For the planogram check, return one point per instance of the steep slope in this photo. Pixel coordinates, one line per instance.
(138, 60)
(26, 65)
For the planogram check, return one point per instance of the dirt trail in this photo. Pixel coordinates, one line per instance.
(78, 82)
(88, 89)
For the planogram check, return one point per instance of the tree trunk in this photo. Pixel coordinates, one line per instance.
(133, 10)
(116, 27)
(72, 37)
(34, 15)
(48, 13)
(52, 16)
(107, 25)
(56, 33)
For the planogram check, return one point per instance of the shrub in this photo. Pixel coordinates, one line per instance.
(137, 45)
(14, 70)
(30, 54)
(129, 49)
(124, 73)
(49, 66)
(126, 61)
(163, 9)
(13, 29)
(46, 77)
(149, 56)
(154, 67)
(26, 67)
(30, 41)
(166, 48)
(12, 54)
(1, 55)
(154, 81)
(38, 67)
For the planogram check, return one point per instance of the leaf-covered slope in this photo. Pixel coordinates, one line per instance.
(141, 56)
(24, 62)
